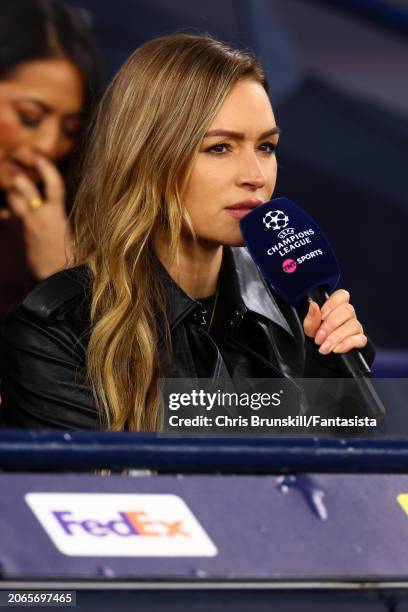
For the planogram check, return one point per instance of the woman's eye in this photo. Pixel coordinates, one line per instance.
(71, 133)
(218, 149)
(268, 147)
(71, 130)
(29, 120)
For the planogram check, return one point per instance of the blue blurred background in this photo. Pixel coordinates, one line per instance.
(338, 83)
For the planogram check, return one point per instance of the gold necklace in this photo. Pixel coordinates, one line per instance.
(213, 309)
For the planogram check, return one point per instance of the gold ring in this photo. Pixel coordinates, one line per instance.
(36, 203)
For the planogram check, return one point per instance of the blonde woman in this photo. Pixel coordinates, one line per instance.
(183, 146)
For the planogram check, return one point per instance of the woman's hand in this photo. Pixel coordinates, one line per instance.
(335, 326)
(44, 219)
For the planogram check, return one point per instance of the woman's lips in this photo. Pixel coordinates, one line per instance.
(240, 209)
(238, 212)
(18, 168)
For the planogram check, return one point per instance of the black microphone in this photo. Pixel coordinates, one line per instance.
(294, 255)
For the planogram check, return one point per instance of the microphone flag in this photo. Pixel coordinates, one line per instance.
(290, 249)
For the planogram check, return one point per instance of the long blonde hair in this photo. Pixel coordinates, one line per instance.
(149, 127)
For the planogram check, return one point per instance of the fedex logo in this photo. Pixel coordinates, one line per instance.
(116, 525)
(126, 524)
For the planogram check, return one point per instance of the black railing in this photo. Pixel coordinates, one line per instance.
(83, 451)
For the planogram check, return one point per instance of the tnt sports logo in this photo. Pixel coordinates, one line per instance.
(275, 220)
(289, 266)
(116, 525)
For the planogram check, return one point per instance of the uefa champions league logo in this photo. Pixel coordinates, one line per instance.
(287, 239)
(277, 220)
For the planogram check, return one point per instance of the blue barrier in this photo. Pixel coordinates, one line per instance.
(49, 450)
(324, 528)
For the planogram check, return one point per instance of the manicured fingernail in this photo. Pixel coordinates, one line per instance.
(320, 336)
(325, 347)
(337, 348)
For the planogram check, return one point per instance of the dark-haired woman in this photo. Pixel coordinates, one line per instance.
(49, 80)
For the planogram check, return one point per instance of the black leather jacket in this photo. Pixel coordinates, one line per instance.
(255, 335)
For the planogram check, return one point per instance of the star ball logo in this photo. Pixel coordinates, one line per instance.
(275, 220)
(120, 525)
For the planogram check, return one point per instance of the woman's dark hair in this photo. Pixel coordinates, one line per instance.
(33, 30)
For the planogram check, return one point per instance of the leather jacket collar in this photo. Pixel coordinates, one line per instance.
(242, 286)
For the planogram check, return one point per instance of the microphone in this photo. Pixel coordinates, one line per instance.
(294, 255)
